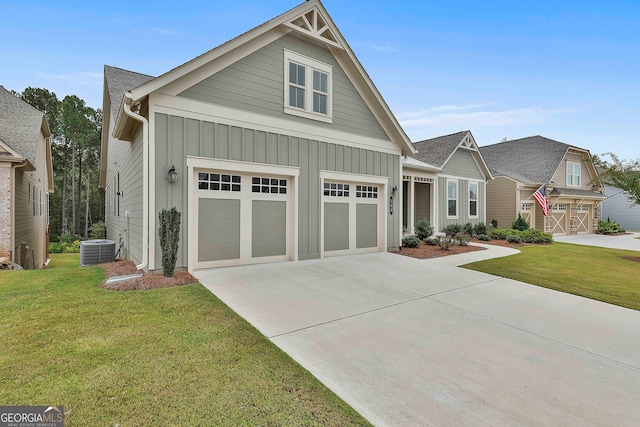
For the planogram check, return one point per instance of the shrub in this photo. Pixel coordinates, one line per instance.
(514, 238)
(462, 239)
(483, 237)
(480, 228)
(535, 236)
(446, 243)
(423, 229)
(411, 242)
(608, 227)
(65, 238)
(169, 233)
(431, 241)
(56, 248)
(453, 229)
(494, 223)
(467, 228)
(500, 233)
(98, 230)
(520, 223)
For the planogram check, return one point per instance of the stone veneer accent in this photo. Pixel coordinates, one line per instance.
(597, 215)
(5, 211)
(573, 219)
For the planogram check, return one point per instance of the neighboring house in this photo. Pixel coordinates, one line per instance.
(521, 166)
(618, 207)
(444, 182)
(274, 146)
(26, 179)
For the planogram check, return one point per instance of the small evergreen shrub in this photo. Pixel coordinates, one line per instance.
(480, 228)
(453, 229)
(467, 228)
(424, 230)
(65, 238)
(535, 236)
(169, 233)
(500, 233)
(514, 238)
(494, 223)
(446, 243)
(55, 248)
(431, 241)
(462, 239)
(609, 227)
(520, 223)
(411, 242)
(483, 237)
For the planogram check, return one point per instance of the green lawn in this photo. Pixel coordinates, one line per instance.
(175, 356)
(598, 273)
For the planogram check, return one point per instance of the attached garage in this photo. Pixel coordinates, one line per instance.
(241, 216)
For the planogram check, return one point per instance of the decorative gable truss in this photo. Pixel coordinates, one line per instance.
(312, 24)
(469, 143)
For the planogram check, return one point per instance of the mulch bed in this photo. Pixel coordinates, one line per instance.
(632, 258)
(425, 251)
(146, 281)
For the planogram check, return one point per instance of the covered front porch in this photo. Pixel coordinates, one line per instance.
(419, 195)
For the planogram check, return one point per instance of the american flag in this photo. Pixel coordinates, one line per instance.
(541, 197)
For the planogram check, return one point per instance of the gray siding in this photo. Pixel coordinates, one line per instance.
(463, 203)
(462, 164)
(501, 201)
(617, 207)
(125, 159)
(176, 137)
(423, 201)
(256, 83)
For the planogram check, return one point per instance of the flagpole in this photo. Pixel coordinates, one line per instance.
(534, 193)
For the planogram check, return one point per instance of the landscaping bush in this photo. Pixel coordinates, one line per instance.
(446, 243)
(609, 227)
(480, 228)
(500, 233)
(56, 248)
(98, 230)
(169, 233)
(65, 238)
(411, 242)
(424, 230)
(535, 236)
(431, 241)
(520, 223)
(462, 239)
(453, 229)
(467, 228)
(483, 237)
(514, 238)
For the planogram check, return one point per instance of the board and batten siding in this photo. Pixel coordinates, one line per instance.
(125, 159)
(256, 82)
(502, 203)
(463, 203)
(176, 137)
(463, 165)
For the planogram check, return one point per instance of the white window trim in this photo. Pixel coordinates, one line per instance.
(477, 184)
(579, 175)
(310, 65)
(456, 199)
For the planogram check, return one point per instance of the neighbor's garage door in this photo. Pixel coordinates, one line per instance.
(353, 217)
(242, 218)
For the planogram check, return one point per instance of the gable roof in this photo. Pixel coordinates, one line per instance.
(311, 20)
(20, 125)
(437, 151)
(118, 81)
(534, 159)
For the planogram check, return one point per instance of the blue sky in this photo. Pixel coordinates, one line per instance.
(566, 70)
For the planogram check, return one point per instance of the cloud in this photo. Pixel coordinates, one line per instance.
(84, 78)
(380, 47)
(464, 116)
(165, 31)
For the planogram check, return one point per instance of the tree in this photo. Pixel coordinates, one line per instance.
(623, 174)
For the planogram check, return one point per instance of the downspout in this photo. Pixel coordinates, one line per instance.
(145, 178)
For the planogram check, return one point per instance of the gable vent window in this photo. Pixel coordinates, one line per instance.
(307, 87)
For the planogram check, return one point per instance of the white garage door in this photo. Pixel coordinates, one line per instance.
(242, 218)
(353, 217)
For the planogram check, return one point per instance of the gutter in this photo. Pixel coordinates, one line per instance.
(127, 101)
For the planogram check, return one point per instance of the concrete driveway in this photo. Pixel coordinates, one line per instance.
(422, 342)
(628, 241)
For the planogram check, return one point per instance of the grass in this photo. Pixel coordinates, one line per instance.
(597, 273)
(175, 356)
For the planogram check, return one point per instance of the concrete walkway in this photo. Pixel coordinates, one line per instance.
(422, 342)
(625, 241)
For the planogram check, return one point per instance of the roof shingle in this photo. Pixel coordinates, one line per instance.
(436, 151)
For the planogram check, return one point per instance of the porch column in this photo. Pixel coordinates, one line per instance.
(411, 206)
(573, 219)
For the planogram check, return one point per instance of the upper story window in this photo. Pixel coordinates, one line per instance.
(452, 199)
(573, 174)
(307, 87)
(473, 199)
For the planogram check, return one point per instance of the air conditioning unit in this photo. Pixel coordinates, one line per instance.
(97, 252)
